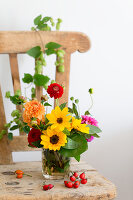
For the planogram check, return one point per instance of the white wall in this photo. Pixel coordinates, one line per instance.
(107, 67)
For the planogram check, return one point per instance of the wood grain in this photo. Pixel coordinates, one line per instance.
(22, 41)
(30, 188)
(5, 151)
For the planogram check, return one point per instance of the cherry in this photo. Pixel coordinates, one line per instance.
(50, 186)
(65, 182)
(72, 178)
(69, 185)
(19, 175)
(82, 176)
(75, 174)
(84, 181)
(76, 184)
(45, 187)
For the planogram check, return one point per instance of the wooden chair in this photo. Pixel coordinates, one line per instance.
(29, 188)
(19, 42)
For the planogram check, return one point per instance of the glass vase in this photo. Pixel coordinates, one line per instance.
(54, 165)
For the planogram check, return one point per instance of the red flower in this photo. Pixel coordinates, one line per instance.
(55, 90)
(33, 136)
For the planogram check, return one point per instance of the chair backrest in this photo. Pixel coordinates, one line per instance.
(16, 42)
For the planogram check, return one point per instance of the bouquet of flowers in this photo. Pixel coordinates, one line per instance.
(63, 133)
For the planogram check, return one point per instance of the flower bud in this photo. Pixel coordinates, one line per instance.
(44, 97)
(7, 94)
(72, 98)
(61, 60)
(76, 101)
(33, 123)
(60, 68)
(59, 20)
(91, 91)
(53, 81)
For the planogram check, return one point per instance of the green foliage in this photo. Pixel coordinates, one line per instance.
(66, 131)
(47, 104)
(7, 95)
(10, 136)
(15, 113)
(28, 78)
(26, 129)
(7, 125)
(87, 112)
(40, 80)
(75, 111)
(83, 146)
(77, 158)
(76, 101)
(18, 92)
(37, 19)
(37, 144)
(16, 100)
(94, 129)
(52, 45)
(71, 144)
(33, 92)
(35, 52)
(14, 127)
(50, 52)
(63, 105)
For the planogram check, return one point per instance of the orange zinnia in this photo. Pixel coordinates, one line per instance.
(33, 109)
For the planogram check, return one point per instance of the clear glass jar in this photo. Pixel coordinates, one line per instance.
(54, 165)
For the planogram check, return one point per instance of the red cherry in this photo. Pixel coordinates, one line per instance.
(45, 187)
(76, 184)
(66, 182)
(50, 186)
(72, 178)
(19, 175)
(69, 185)
(82, 176)
(75, 174)
(84, 181)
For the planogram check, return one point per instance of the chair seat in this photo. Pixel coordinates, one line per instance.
(30, 188)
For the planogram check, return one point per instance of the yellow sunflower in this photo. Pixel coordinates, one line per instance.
(53, 139)
(59, 119)
(76, 124)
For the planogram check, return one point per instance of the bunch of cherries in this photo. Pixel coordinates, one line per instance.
(76, 180)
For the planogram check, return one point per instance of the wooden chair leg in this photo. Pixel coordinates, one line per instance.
(5, 152)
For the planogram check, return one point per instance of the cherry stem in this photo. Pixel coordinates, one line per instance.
(27, 175)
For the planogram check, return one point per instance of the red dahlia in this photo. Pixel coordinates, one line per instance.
(33, 136)
(55, 90)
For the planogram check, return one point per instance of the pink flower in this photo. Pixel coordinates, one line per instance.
(90, 139)
(89, 120)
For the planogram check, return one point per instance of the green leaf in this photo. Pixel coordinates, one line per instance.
(37, 19)
(15, 113)
(71, 144)
(40, 80)
(63, 105)
(94, 129)
(87, 112)
(83, 146)
(50, 51)
(46, 19)
(95, 135)
(52, 45)
(77, 158)
(14, 127)
(7, 95)
(10, 136)
(47, 104)
(37, 144)
(70, 110)
(67, 132)
(28, 78)
(35, 52)
(16, 100)
(26, 129)
(75, 109)
(3, 132)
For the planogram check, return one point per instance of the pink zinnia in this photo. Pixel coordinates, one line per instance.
(90, 139)
(89, 120)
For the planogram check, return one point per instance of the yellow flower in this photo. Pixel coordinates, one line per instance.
(53, 139)
(76, 124)
(59, 119)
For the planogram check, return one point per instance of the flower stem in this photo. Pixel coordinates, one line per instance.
(91, 102)
(57, 156)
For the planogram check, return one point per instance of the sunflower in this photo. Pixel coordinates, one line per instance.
(76, 124)
(59, 119)
(53, 139)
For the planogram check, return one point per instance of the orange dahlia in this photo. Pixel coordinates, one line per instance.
(33, 109)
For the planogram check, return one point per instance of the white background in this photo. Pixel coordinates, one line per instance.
(107, 67)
